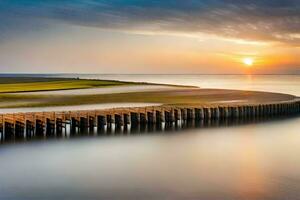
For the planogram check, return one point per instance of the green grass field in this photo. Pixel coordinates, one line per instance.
(14, 85)
(12, 94)
(176, 97)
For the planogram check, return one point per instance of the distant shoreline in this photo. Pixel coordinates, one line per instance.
(158, 74)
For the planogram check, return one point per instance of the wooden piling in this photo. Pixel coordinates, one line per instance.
(38, 123)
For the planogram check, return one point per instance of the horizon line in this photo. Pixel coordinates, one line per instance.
(61, 73)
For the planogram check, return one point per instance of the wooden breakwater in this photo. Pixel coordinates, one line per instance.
(51, 123)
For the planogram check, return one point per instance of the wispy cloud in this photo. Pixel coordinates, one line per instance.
(256, 20)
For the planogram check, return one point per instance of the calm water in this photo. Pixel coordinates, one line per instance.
(271, 83)
(251, 161)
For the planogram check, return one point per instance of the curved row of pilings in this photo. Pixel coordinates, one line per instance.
(26, 125)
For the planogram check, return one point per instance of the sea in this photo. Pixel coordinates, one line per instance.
(251, 161)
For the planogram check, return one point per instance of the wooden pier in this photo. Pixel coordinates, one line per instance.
(26, 125)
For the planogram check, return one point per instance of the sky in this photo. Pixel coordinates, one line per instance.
(150, 36)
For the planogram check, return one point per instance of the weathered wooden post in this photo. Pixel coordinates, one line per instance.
(127, 118)
(213, 113)
(252, 111)
(241, 111)
(259, 111)
(177, 113)
(172, 116)
(270, 110)
(207, 113)
(298, 107)
(119, 120)
(167, 117)
(110, 118)
(284, 109)
(154, 116)
(184, 114)
(256, 111)
(1, 131)
(236, 112)
(39, 127)
(150, 117)
(74, 124)
(143, 118)
(83, 124)
(19, 129)
(295, 108)
(8, 130)
(248, 111)
(143, 121)
(199, 114)
(101, 121)
(159, 116)
(91, 123)
(266, 110)
(135, 118)
(191, 114)
(50, 127)
(287, 108)
(227, 114)
(245, 109)
(216, 113)
(59, 126)
(277, 109)
(222, 112)
(274, 109)
(29, 129)
(16, 128)
(230, 111)
(280, 110)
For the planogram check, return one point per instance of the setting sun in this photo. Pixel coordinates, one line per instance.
(248, 61)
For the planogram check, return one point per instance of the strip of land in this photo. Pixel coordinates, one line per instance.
(25, 94)
(178, 97)
(17, 85)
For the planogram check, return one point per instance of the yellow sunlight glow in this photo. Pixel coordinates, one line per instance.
(248, 61)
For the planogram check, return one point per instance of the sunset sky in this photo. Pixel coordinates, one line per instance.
(150, 36)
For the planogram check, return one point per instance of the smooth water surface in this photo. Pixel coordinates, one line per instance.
(252, 161)
(289, 84)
